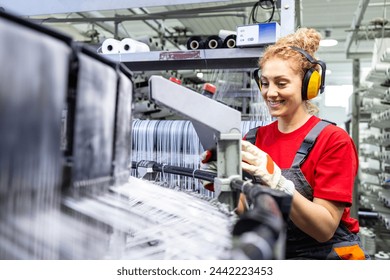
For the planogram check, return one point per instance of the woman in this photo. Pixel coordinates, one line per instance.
(319, 172)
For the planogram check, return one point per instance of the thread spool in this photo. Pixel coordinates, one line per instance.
(208, 90)
(368, 240)
(366, 102)
(370, 243)
(153, 44)
(387, 95)
(129, 45)
(194, 43)
(230, 42)
(387, 220)
(385, 57)
(381, 256)
(375, 77)
(144, 106)
(110, 46)
(213, 42)
(380, 68)
(225, 33)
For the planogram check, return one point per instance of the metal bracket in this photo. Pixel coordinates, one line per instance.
(217, 125)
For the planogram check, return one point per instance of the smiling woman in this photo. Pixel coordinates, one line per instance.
(314, 161)
(278, 87)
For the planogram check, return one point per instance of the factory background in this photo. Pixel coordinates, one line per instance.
(100, 145)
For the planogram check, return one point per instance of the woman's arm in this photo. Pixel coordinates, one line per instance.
(318, 218)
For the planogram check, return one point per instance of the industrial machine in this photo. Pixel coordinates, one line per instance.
(66, 189)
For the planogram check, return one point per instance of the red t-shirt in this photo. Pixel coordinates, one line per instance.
(330, 168)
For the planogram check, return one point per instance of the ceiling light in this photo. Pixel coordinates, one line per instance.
(199, 75)
(328, 41)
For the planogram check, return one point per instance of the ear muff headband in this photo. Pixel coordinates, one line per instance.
(312, 82)
(257, 78)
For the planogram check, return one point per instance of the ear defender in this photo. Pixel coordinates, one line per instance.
(313, 82)
(257, 78)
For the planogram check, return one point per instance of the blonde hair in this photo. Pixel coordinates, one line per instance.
(307, 39)
(311, 108)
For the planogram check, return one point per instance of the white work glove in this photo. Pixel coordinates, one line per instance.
(260, 165)
(208, 164)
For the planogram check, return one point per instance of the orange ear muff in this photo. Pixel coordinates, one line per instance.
(312, 83)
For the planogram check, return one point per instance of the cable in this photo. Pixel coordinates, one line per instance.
(251, 190)
(260, 232)
(177, 170)
(265, 5)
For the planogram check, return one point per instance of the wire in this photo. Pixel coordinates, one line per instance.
(265, 5)
(177, 170)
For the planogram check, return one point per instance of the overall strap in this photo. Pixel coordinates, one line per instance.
(309, 142)
(251, 135)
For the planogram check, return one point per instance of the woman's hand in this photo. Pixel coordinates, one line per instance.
(260, 165)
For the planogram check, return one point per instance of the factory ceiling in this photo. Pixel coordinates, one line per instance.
(354, 24)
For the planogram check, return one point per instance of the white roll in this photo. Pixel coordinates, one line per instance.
(386, 115)
(387, 94)
(375, 76)
(381, 256)
(367, 237)
(376, 101)
(153, 44)
(144, 106)
(129, 45)
(366, 102)
(224, 33)
(386, 55)
(110, 46)
(381, 68)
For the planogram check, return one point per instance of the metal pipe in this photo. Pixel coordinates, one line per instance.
(121, 18)
(355, 129)
(356, 21)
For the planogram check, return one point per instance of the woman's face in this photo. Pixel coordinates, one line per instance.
(281, 88)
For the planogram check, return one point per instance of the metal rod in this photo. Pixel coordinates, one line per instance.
(359, 14)
(178, 170)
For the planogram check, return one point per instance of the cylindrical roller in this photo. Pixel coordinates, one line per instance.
(152, 43)
(224, 33)
(110, 46)
(230, 42)
(386, 55)
(213, 42)
(144, 106)
(194, 43)
(128, 45)
(381, 256)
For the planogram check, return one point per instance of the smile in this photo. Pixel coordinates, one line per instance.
(274, 103)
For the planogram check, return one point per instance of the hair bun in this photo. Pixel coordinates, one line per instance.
(304, 38)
